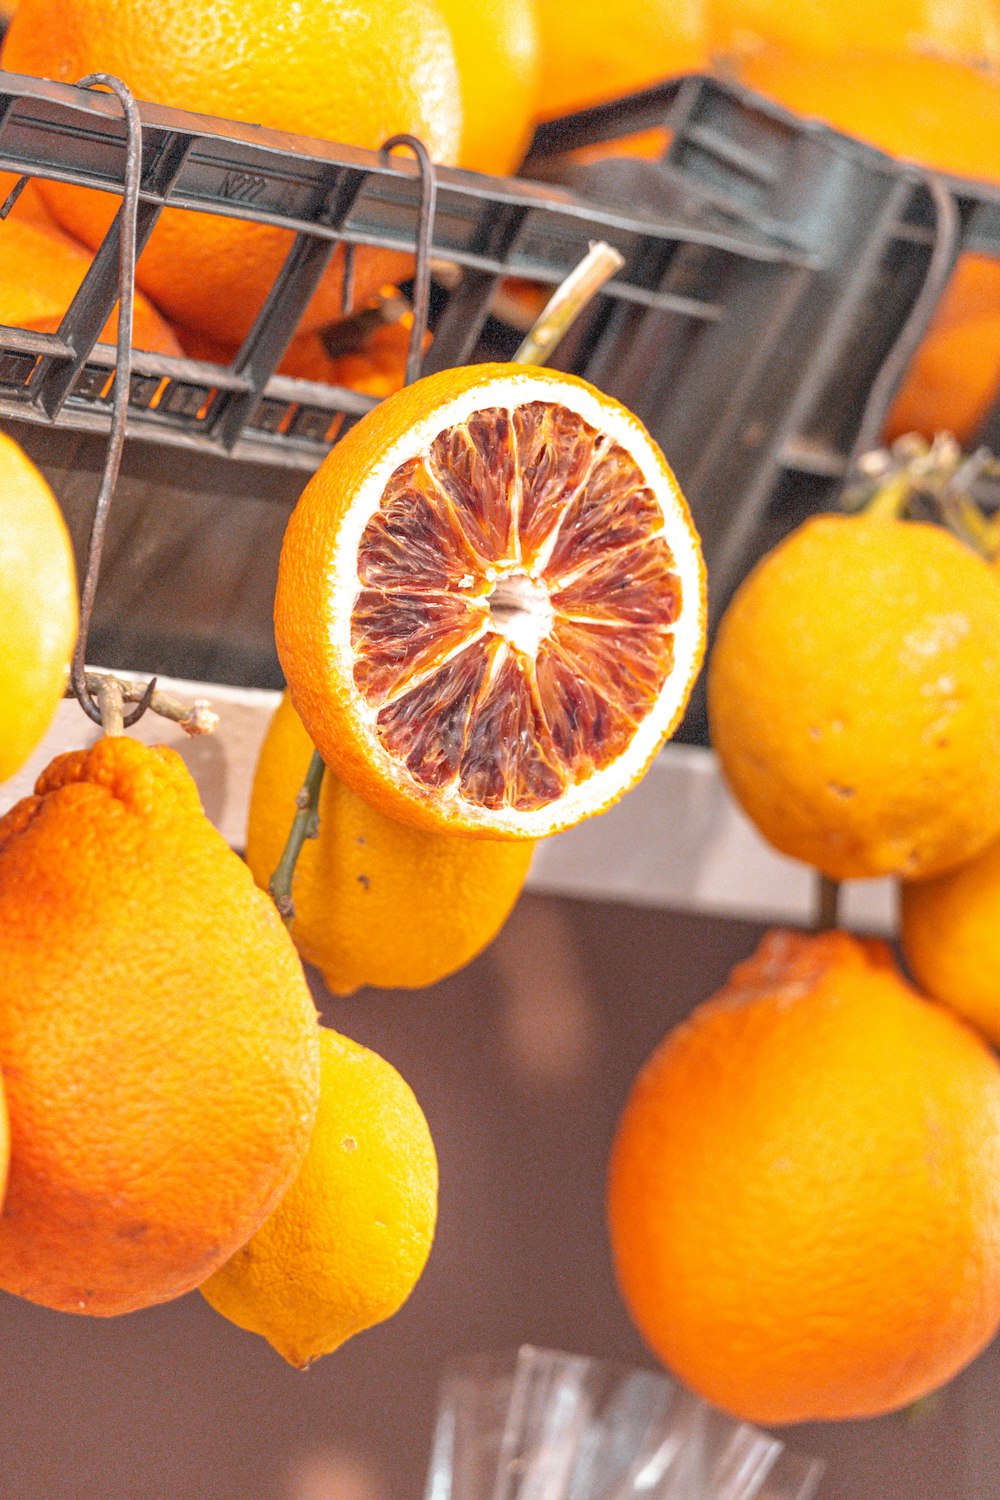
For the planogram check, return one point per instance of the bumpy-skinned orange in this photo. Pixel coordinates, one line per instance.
(158, 1042)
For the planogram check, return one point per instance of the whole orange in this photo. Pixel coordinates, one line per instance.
(158, 1042)
(803, 1199)
(353, 71)
(40, 272)
(854, 697)
(950, 932)
(497, 50)
(962, 29)
(592, 52)
(38, 609)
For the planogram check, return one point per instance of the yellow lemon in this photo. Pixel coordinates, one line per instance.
(376, 901)
(348, 1242)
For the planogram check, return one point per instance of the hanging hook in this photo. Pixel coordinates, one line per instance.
(947, 229)
(425, 229)
(121, 386)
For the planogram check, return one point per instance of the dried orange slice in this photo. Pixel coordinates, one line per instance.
(491, 602)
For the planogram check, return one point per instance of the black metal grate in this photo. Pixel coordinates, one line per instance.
(770, 264)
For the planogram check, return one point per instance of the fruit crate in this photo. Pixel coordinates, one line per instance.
(770, 267)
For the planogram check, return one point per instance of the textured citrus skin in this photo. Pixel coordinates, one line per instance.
(497, 48)
(38, 609)
(854, 698)
(591, 54)
(349, 1240)
(376, 902)
(804, 1193)
(950, 932)
(157, 1038)
(319, 680)
(961, 29)
(355, 73)
(40, 272)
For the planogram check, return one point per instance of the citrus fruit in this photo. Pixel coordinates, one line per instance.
(377, 369)
(490, 607)
(950, 932)
(591, 53)
(376, 901)
(963, 29)
(158, 1042)
(30, 205)
(4, 1142)
(802, 1196)
(854, 697)
(38, 610)
(930, 110)
(955, 376)
(352, 71)
(497, 52)
(349, 1240)
(40, 272)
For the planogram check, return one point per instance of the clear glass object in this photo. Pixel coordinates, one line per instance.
(543, 1425)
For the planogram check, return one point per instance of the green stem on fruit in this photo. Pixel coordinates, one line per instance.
(962, 516)
(890, 500)
(924, 1408)
(567, 302)
(916, 477)
(305, 825)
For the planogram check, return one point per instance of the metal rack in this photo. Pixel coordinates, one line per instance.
(770, 267)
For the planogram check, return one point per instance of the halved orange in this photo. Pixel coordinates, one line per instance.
(491, 602)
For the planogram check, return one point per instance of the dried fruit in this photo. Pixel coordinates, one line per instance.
(490, 606)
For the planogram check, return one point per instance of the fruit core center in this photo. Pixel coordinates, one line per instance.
(521, 611)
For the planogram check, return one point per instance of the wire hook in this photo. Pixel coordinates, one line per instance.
(120, 387)
(947, 228)
(425, 230)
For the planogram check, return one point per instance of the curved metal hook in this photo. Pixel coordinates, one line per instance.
(122, 383)
(893, 368)
(425, 228)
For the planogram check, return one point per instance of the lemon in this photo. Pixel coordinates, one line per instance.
(348, 1242)
(376, 902)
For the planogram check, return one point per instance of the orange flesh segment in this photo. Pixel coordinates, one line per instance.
(509, 708)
